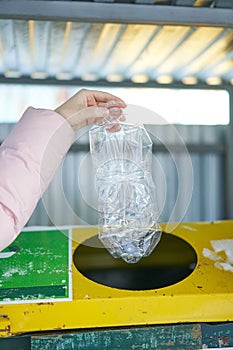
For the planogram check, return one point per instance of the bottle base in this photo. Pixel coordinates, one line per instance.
(129, 244)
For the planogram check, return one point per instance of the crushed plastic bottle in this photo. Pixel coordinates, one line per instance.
(128, 215)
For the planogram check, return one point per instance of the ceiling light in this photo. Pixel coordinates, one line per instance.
(64, 76)
(213, 80)
(115, 77)
(39, 75)
(189, 80)
(164, 79)
(12, 74)
(90, 77)
(140, 78)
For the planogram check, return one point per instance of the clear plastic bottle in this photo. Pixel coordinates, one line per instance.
(128, 215)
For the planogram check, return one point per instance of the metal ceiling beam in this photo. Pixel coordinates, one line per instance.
(185, 2)
(104, 83)
(224, 3)
(115, 13)
(229, 163)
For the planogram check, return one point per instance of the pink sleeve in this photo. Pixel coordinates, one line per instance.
(29, 158)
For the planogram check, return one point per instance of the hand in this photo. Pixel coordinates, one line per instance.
(89, 107)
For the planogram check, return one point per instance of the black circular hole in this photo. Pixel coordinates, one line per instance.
(172, 260)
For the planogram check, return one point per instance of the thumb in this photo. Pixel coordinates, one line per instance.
(88, 116)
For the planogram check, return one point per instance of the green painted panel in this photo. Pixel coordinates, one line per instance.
(178, 337)
(15, 343)
(217, 335)
(36, 266)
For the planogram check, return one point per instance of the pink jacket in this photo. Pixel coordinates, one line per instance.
(29, 158)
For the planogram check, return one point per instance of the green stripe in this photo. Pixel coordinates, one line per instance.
(33, 292)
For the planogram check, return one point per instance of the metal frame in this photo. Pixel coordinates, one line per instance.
(26, 79)
(115, 13)
(229, 162)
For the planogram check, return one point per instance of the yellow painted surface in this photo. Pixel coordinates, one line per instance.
(206, 295)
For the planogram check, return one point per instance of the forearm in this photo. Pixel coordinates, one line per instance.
(29, 158)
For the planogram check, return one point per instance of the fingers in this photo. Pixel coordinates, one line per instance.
(99, 98)
(87, 116)
(115, 128)
(122, 118)
(104, 97)
(96, 115)
(92, 107)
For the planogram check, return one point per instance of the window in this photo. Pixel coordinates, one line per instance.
(177, 106)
